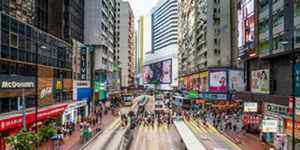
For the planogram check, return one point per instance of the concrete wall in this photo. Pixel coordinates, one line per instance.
(92, 22)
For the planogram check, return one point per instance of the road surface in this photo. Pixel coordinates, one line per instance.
(210, 137)
(111, 137)
(156, 138)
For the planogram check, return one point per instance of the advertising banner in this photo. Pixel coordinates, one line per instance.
(236, 80)
(246, 25)
(203, 85)
(158, 73)
(250, 107)
(217, 96)
(297, 79)
(269, 126)
(217, 81)
(260, 81)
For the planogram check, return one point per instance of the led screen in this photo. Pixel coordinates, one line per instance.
(159, 72)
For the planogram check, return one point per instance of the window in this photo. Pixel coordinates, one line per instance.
(5, 38)
(4, 51)
(4, 68)
(13, 40)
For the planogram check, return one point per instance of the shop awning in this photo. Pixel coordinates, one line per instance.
(43, 113)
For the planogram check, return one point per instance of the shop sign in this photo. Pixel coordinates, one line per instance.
(260, 81)
(16, 121)
(16, 85)
(250, 107)
(59, 85)
(297, 79)
(217, 96)
(269, 126)
(81, 84)
(297, 106)
(275, 109)
(46, 92)
(290, 107)
(83, 63)
(217, 81)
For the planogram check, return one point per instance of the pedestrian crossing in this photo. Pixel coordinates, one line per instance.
(210, 134)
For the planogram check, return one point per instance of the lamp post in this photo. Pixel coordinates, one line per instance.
(37, 46)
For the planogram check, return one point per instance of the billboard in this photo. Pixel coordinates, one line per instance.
(246, 23)
(203, 84)
(260, 81)
(159, 72)
(217, 81)
(236, 80)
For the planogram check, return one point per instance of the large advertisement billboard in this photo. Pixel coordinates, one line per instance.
(217, 81)
(236, 80)
(159, 72)
(246, 23)
(260, 81)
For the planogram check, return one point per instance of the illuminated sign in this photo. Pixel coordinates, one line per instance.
(16, 84)
(83, 63)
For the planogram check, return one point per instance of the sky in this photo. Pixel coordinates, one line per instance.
(141, 7)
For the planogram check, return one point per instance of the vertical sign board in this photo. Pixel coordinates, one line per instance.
(297, 80)
(83, 63)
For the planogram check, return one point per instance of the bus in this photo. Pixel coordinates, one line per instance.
(127, 99)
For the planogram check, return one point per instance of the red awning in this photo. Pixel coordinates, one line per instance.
(44, 113)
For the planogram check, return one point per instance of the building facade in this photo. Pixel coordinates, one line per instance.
(29, 54)
(125, 44)
(161, 66)
(269, 50)
(100, 32)
(67, 22)
(140, 50)
(207, 39)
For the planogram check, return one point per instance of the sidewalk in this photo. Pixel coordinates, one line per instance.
(246, 141)
(73, 142)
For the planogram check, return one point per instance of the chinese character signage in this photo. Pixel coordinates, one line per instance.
(297, 79)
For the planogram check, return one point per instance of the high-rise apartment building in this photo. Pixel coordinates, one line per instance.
(125, 44)
(205, 35)
(99, 31)
(161, 66)
(207, 39)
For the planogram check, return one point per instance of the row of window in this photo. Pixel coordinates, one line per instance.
(13, 104)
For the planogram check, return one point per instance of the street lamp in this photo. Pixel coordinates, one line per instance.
(37, 46)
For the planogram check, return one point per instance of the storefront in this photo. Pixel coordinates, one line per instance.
(277, 113)
(289, 129)
(82, 91)
(75, 112)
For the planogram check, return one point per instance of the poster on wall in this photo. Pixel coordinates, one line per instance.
(246, 25)
(217, 81)
(236, 80)
(159, 72)
(260, 81)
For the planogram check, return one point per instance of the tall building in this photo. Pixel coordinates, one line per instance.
(269, 49)
(24, 42)
(125, 44)
(160, 68)
(140, 50)
(99, 31)
(67, 22)
(206, 40)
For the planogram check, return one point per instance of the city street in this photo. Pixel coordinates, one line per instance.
(210, 137)
(157, 137)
